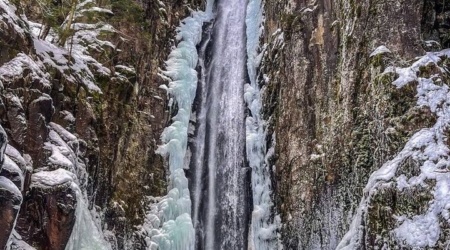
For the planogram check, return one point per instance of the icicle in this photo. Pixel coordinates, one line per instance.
(169, 224)
(85, 234)
(263, 231)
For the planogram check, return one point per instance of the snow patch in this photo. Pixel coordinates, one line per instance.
(51, 178)
(15, 156)
(10, 166)
(10, 16)
(429, 147)
(380, 50)
(16, 68)
(6, 184)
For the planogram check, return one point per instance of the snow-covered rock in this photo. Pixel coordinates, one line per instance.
(12, 171)
(51, 206)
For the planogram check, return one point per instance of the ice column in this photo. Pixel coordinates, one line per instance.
(263, 231)
(169, 224)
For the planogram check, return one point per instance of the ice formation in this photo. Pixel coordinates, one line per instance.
(429, 147)
(168, 225)
(263, 231)
(86, 235)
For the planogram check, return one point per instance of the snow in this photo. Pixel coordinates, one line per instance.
(15, 156)
(66, 135)
(18, 243)
(64, 152)
(58, 159)
(45, 179)
(68, 116)
(10, 16)
(429, 148)
(76, 71)
(420, 231)
(129, 70)
(380, 50)
(263, 231)
(6, 184)
(12, 168)
(15, 69)
(73, 60)
(97, 10)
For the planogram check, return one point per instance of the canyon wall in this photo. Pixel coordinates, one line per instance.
(337, 118)
(109, 131)
(81, 115)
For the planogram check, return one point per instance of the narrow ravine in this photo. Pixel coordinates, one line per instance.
(220, 182)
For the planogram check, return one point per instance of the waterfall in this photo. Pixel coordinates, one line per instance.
(220, 191)
(221, 194)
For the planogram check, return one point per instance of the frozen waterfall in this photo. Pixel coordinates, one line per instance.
(220, 191)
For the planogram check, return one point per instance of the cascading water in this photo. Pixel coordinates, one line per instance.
(225, 158)
(220, 179)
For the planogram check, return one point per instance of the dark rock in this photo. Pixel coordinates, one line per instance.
(12, 37)
(11, 171)
(3, 144)
(16, 118)
(10, 200)
(48, 212)
(40, 112)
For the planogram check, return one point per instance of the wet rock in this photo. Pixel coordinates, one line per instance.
(10, 200)
(323, 90)
(49, 210)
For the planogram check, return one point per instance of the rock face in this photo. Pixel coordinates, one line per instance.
(50, 206)
(95, 110)
(10, 197)
(336, 117)
(10, 200)
(3, 144)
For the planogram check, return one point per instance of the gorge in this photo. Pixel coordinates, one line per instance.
(224, 124)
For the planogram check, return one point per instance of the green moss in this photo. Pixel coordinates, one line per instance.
(389, 202)
(290, 23)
